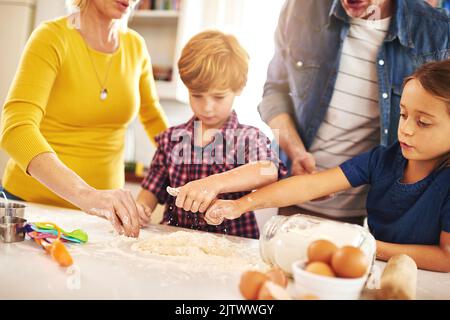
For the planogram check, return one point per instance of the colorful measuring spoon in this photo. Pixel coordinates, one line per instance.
(76, 234)
(56, 249)
(54, 234)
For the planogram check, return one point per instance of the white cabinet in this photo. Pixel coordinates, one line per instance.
(16, 23)
(166, 32)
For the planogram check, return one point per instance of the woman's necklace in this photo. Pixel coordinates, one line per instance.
(103, 89)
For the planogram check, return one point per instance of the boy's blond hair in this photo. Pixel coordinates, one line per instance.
(213, 60)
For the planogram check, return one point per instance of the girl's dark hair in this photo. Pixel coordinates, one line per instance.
(435, 79)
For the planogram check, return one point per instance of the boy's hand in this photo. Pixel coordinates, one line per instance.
(197, 196)
(223, 209)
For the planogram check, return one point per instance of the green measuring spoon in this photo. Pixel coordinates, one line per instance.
(77, 234)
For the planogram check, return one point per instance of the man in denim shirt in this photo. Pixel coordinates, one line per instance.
(334, 84)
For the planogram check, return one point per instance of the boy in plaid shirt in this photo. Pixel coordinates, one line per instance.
(212, 155)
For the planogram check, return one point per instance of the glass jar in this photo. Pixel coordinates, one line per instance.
(285, 239)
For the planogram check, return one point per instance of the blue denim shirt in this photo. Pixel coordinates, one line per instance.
(308, 44)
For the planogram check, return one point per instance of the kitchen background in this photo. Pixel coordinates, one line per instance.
(166, 29)
(166, 26)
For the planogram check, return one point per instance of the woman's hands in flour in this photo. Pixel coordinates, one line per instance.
(119, 207)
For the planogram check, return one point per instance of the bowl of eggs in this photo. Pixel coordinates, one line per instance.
(331, 273)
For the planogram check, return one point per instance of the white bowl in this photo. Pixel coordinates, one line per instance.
(325, 288)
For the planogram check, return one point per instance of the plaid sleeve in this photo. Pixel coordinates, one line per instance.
(258, 147)
(157, 178)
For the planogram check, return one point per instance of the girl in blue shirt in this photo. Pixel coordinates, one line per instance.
(408, 204)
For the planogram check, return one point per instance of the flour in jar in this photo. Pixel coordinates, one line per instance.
(188, 244)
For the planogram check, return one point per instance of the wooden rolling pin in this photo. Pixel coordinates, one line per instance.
(399, 279)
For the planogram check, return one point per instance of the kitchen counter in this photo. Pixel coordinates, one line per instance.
(107, 268)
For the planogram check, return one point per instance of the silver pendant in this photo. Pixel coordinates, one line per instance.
(103, 94)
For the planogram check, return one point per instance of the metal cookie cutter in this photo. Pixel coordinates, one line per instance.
(12, 209)
(12, 229)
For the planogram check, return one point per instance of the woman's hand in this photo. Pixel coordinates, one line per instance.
(145, 214)
(223, 209)
(197, 196)
(117, 206)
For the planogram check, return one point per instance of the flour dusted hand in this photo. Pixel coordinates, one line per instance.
(117, 206)
(223, 209)
(197, 196)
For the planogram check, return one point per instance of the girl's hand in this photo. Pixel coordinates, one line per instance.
(197, 196)
(117, 206)
(223, 209)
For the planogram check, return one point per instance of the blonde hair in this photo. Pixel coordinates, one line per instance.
(212, 59)
(80, 4)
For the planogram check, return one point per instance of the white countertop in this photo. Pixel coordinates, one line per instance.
(107, 268)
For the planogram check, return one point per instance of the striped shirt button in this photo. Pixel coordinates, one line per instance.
(385, 95)
(386, 131)
(381, 62)
(299, 64)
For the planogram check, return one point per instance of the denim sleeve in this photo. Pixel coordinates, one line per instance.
(360, 169)
(276, 98)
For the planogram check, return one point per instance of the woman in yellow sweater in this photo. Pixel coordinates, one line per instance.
(81, 81)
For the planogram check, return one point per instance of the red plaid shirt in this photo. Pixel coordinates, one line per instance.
(178, 161)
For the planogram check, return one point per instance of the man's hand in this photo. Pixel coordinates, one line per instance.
(303, 163)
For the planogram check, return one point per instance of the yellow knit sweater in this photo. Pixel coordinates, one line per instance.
(54, 106)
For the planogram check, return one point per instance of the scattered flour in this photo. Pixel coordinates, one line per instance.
(211, 255)
(188, 244)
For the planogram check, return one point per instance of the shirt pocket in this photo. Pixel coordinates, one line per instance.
(396, 96)
(437, 55)
(302, 69)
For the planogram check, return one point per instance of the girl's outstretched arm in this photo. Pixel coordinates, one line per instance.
(197, 196)
(429, 257)
(290, 191)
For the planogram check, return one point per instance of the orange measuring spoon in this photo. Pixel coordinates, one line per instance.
(56, 249)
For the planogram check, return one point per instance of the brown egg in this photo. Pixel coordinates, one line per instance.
(349, 262)
(277, 276)
(251, 283)
(320, 268)
(321, 250)
(272, 291)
